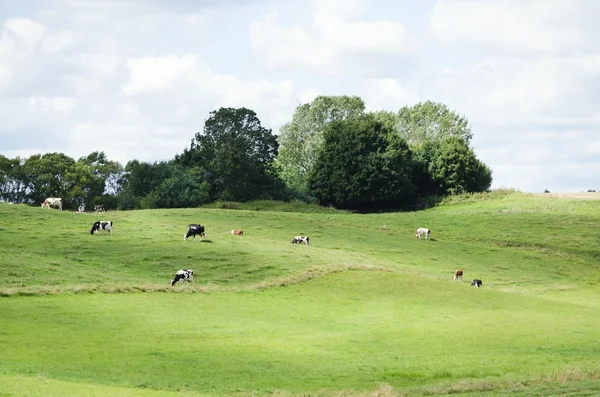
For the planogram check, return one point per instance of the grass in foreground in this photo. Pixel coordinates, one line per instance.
(272, 318)
(352, 330)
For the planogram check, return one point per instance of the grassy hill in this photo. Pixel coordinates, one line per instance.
(367, 308)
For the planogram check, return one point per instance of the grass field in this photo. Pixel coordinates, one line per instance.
(367, 309)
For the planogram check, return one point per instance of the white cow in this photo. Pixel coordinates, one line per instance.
(53, 202)
(423, 231)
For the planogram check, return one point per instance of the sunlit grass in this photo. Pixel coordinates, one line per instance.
(367, 309)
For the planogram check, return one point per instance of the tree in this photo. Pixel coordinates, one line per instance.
(362, 165)
(455, 169)
(301, 138)
(237, 154)
(432, 121)
(422, 154)
(48, 175)
(138, 180)
(12, 186)
(184, 188)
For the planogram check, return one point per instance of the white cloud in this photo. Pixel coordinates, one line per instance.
(29, 32)
(57, 42)
(508, 90)
(307, 96)
(388, 94)
(56, 104)
(532, 25)
(327, 44)
(189, 80)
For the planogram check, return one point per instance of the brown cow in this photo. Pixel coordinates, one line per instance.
(237, 232)
(458, 274)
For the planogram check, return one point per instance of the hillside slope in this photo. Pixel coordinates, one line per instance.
(514, 243)
(367, 309)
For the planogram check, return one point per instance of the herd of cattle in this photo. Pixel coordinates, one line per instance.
(195, 229)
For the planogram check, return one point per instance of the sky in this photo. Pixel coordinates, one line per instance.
(138, 78)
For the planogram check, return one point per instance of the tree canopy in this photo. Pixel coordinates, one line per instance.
(431, 121)
(301, 138)
(237, 153)
(362, 165)
(331, 151)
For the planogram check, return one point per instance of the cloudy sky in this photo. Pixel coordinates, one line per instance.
(137, 78)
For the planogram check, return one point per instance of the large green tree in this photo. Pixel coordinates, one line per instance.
(183, 188)
(301, 138)
(432, 121)
(12, 183)
(49, 175)
(237, 154)
(455, 169)
(362, 165)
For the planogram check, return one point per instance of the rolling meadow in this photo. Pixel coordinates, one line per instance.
(366, 310)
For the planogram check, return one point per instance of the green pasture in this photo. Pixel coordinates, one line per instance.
(367, 309)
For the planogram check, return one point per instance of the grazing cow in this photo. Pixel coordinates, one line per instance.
(99, 208)
(301, 239)
(194, 230)
(423, 231)
(237, 232)
(458, 275)
(477, 283)
(184, 275)
(102, 225)
(81, 208)
(53, 202)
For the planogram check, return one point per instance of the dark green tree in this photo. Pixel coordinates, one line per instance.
(362, 165)
(455, 169)
(237, 154)
(183, 188)
(138, 180)
(12, 185)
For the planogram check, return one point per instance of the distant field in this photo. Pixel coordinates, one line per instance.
(582, 195)
(367, 309)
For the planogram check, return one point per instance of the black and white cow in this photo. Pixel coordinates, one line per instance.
(194, 230)
(183, 275)
(301, 239)
(102, 225)
(99, 208)
(477, 283)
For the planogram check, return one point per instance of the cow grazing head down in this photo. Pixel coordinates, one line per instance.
(301, 239)
(194, 230)
(423, 231)
(458, 275)
(183, 275)
(102, 225)
(237, 232)
(477, 283)
(53, 202)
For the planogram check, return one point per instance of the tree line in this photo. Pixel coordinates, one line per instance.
(332, 152)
